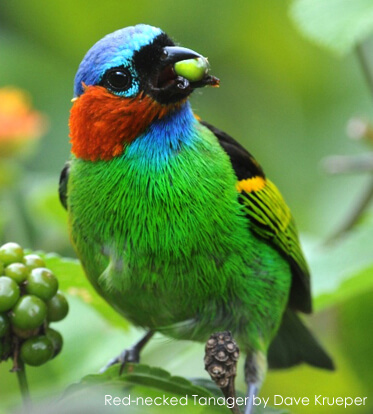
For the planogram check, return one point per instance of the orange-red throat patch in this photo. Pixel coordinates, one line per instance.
(101, 124)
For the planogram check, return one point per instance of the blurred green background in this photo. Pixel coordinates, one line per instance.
(287, 100)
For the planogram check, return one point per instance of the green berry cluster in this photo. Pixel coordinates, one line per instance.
(29, 301)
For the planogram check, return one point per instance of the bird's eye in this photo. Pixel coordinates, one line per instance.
(118, 80)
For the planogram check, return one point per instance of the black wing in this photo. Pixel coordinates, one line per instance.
(62, 187)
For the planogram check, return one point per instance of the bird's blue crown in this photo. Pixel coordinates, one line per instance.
(113, 50)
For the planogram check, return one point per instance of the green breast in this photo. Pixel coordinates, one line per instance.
(165, 241)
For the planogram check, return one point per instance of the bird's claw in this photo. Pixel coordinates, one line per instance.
(131, 355)
(128, 355)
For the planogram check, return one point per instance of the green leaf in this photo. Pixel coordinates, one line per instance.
(139, 374)
(73, 281)
(141, 381)
(138, 382)
(336, 24)
(344, 269)
(357, 284)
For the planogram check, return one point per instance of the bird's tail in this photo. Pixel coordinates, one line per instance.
(294, 344)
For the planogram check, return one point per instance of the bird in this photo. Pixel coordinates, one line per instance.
(175, 223)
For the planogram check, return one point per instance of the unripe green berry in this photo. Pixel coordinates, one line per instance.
(9, 293)
(42, 282)
(36, 351)
(10, 253)
(24, 334)
(4, 325)
(29, 313)
(192, 69)
(17, 271)
(33, 261)
(57, 307)
(56, 338)
(1, 268)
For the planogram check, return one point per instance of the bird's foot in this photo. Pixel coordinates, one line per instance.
(127, 355)
(131, 355)
(221, 356)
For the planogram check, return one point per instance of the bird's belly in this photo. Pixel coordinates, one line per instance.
(169, 280)
(221, 282)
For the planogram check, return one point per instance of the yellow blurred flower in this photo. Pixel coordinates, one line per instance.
(20, 125)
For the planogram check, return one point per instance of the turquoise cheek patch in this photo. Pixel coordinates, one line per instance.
(193, 70)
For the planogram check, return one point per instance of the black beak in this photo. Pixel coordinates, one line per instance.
(167, 86)
(173, 54)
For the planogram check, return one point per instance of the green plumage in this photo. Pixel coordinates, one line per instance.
(170, 247)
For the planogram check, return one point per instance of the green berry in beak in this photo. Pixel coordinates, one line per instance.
(192, 69)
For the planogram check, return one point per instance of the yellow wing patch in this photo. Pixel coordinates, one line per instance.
(271, 218)
(251, 184)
